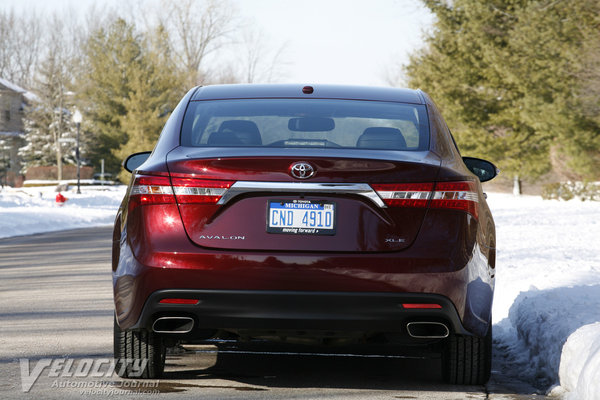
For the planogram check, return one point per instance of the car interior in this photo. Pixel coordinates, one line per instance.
(382, 138)
(246, 133)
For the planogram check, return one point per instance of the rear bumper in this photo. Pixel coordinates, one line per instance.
(266, 310)
(238, 293)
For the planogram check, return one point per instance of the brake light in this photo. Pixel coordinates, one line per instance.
(148, 189)
(449, 195)
(456, 196)
(206, 191)
(404, 194)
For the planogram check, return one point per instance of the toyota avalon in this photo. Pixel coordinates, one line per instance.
(320, 213)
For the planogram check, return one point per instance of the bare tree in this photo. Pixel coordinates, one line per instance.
(259, 63)
(7, 27)
(206, 33)
(226, 74)
(48, 119)
(394, 75)
(20, 36)
(197, 29)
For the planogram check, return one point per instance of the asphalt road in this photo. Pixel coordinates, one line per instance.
(56, 304)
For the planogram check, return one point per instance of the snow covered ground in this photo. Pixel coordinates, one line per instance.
(547, 278)
(548, 291)
(25, 211)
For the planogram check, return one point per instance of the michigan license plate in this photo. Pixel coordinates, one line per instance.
(301, 217)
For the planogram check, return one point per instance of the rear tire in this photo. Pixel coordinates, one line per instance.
(467, 360)
(138, 354)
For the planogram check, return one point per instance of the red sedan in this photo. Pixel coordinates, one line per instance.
(326, 213)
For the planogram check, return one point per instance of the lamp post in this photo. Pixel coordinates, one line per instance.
(77, 118)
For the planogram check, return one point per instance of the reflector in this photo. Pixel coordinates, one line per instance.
(420, 305)
(179, 301)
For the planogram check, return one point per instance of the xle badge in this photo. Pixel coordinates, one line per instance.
(392, 240)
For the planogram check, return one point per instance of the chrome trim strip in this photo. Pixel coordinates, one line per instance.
(360, 189)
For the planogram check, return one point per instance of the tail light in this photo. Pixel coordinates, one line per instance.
(149, 189)
(456, 196)
(404, 194)
(199, 191)
(449, 195)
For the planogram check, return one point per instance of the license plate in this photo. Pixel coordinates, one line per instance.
(301, 217)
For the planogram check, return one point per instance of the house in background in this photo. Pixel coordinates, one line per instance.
(13, 100)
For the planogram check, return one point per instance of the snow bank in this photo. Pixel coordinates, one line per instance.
(27, 211)
(547, 287)
(543, 321)
(580, 364)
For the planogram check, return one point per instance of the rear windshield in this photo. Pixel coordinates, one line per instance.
(306, 123)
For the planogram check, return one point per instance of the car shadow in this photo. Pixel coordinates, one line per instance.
(267, 365)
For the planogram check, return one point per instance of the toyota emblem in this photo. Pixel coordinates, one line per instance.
(302, 170)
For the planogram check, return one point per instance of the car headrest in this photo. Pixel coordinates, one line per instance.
(236, 132)
(382, 138)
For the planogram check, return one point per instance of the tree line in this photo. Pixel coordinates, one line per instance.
(124, 71)
(518, 82)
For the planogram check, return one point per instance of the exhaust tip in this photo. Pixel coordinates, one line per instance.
(428, 330)
(173, 325)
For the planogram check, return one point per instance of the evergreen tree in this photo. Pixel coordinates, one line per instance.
(503, 74)
(456, 68)
(110, 54)
(129, 87)
(544, 63)
(154, 92)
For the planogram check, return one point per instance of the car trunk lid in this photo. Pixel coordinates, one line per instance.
(245, 200)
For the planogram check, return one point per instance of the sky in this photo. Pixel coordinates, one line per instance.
(341, 41)
(325, 41)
